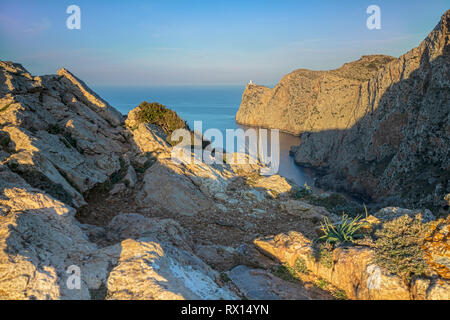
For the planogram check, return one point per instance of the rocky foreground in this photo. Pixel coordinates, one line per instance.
(378, 127)
(84, 188)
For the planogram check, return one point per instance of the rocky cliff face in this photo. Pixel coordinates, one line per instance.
(309, 101)
(379, 127)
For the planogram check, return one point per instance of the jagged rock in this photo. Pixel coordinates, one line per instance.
(258, 284)
(60, 131)
(90, 98)
(152, 271)
(135, 226)
(218, 257)
(39, 242)
(377, 127)
(164, 190)
(130, 178)
(303, 209)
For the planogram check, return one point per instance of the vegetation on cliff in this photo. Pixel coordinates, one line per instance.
(161, 116)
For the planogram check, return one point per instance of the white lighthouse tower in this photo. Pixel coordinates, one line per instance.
(250, 83)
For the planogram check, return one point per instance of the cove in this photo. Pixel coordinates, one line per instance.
(215, 106)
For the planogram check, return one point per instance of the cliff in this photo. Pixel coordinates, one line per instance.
(306, 100)
(378, 127)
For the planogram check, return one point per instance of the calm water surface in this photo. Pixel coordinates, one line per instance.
(215, 106)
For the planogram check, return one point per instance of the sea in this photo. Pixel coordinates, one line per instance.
(215, 106)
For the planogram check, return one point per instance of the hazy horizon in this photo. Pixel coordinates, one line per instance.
(215, 43)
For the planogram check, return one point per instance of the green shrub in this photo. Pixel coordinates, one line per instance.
(398, 246)
(286, 273)
(224, 277)
(161, 116)
(325, 255)
(322, 284)
(339, 294)
(54, 128)
(5, 107)
(4, 141)
(301, 192)
(300, 266)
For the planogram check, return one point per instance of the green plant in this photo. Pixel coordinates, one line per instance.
(339, 294)
(54, 128)
(286, 273)
(324, 255)
(224, 277)
(322, 284)
(5, 107)
(343, 232)
(4, 141)
(301, 192)
(300, 266)
(161, 116)
(398, 246)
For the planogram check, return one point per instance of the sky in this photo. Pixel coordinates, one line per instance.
(215, 42)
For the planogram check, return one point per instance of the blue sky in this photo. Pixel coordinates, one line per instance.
(214, 42)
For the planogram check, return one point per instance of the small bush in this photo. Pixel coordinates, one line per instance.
(4, 141)
(5, 107)
(398, 246)
(322, 284)
(161, 116)
(300, 266)
(301, 192)
(54, 128)
(286, 273)
(325, 255)
(339, 294)
(224, 277)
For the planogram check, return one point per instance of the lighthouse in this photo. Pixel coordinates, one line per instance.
(250, 83)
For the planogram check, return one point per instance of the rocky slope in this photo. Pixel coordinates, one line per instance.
(84, 188)
(378, 127)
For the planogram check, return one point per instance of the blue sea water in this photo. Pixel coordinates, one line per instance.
(215, 106)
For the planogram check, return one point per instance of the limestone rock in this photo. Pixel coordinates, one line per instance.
(91, 98)
(147, 270)
(130, 178)
(303, 209)
(166, 191)
(258, 284)
(352, 269)
(39, 243)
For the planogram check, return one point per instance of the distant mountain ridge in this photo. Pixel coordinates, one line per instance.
(378, 127)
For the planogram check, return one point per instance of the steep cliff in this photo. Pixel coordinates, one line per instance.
(378, 127)
(306, 100)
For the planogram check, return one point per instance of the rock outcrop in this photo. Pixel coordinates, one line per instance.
(354, 269)
(378, 127)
